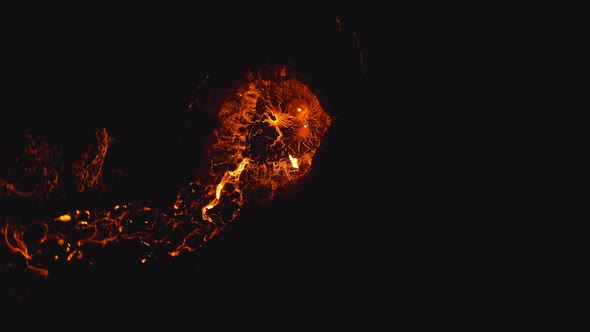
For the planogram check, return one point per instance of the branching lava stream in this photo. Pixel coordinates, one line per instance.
(268, 129)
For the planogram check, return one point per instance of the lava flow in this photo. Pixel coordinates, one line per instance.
(268, 129)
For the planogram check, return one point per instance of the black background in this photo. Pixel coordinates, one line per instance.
(448, 191)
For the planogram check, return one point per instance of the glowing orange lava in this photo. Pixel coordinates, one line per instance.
(269, 127)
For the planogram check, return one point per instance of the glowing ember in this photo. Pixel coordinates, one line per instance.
(268, 131)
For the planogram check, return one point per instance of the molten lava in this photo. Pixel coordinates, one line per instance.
(269, 127)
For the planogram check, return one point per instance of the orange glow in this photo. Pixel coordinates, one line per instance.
(229, 176)
(64, 218)
(268, 131)
(303, 130)
(88, 170)
(294, 162)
